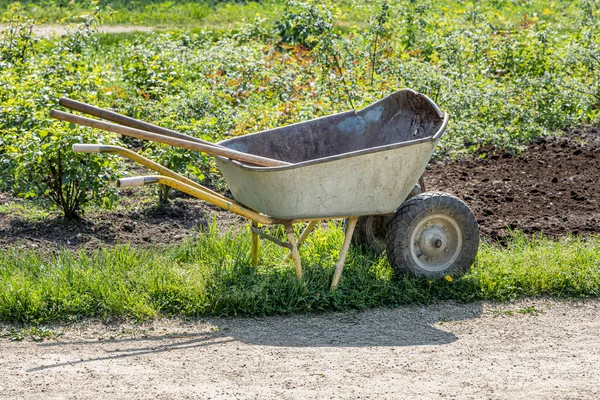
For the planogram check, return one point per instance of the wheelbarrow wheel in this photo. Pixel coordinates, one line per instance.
(371, 230)
(432, 235)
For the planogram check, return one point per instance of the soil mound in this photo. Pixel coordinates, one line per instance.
(552, 187)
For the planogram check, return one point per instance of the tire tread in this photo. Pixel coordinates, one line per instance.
(399, 229)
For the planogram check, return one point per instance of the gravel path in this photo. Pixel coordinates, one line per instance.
(529, 350)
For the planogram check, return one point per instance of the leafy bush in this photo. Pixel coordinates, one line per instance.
(17, 38)
(35, 151)
(302, 23)
(150, 72)
(47, 166)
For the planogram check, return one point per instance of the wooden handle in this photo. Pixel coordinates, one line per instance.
(126, 121)
(154, 137)
(145, 126)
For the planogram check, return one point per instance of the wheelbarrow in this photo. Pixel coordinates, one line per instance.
(356, 164)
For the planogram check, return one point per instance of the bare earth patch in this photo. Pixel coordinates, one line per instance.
(552, 188)
(534, 349)
(137, 226)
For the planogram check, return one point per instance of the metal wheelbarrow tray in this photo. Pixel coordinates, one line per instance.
(348, 164)
(356, 164)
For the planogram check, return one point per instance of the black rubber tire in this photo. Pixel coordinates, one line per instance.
(371, 230)
(408, 218)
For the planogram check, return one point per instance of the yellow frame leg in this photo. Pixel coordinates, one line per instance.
(344, 252)
(289, 231)
(309, 228)
(255, 245)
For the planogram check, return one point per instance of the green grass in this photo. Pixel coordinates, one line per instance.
(28, 210)
(185, 14)
(158, 14)
(212, 276)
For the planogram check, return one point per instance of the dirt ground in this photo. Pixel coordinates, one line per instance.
(527, 350)
(138, 225)
(551, 188)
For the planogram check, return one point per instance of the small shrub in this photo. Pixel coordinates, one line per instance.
(303, 23)
(379, 30)
(151, 74)
(47, 167)
(16, 39)
(36, 159)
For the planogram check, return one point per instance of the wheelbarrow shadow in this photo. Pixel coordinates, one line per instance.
(402, 326)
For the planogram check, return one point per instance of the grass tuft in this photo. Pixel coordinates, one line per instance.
(212, 275)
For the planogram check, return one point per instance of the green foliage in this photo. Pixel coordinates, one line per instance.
(17, 38)
(507, 72)
(150, 71)
(46, 166)
(33, 333)
(380, 30)
(35, 150)
(303, 23)
(213, 275)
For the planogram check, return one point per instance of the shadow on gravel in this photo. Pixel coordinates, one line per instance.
(200, 340)
(404, 326)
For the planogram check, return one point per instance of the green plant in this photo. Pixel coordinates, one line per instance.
(33, 333)
(213, 275)
(303, 23)
(36, 155)
(47, 166)
(414, 19)
(150, 72)
(16, 39)
(379, 30)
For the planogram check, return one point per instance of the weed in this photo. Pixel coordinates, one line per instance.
(304, 23)
(33, 333)
(531, 310)
(502, 313)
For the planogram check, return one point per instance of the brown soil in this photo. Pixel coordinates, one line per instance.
(138, 226)
(533, 349)
(552, 187)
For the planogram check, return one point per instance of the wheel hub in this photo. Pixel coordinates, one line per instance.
(436, 242)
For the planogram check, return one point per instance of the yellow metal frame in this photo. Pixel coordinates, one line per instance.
(176, 181)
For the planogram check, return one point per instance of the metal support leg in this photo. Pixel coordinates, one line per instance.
(422, 184)
(344, 252)
(289, 230)
(303, 236)
(255, 244)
